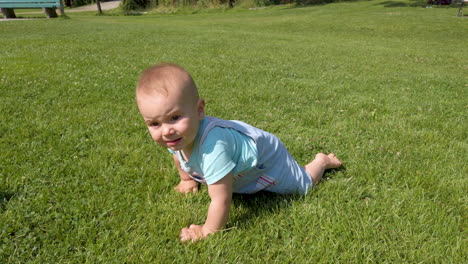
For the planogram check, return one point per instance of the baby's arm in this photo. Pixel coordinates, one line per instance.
(218, 212)
(186, 184)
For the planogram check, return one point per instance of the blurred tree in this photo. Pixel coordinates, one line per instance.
(98, 3)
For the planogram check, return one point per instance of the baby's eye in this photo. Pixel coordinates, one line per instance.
(154, 124)
(175, 118)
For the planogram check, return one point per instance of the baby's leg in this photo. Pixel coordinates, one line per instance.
(317, 167)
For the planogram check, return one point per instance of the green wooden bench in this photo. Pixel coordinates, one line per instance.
(48, 6)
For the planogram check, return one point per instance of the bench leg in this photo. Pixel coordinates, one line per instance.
(8, 13)
(50, 12)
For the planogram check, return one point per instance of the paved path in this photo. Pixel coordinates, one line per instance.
(93, 7)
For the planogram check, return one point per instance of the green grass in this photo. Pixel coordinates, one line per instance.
(383, 87)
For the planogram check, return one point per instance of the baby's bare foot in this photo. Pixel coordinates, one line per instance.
(329, 161)
(322, 162)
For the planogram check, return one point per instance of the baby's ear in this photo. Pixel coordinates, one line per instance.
(201, 108)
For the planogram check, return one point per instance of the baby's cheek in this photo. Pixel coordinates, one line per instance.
(184, 127)
(155, 136)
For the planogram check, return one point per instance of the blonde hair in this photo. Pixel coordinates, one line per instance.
(164, 77)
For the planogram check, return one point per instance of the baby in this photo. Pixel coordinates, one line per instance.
(228, 156)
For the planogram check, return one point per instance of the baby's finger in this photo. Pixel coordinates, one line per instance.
(188, 234)
(184, 235)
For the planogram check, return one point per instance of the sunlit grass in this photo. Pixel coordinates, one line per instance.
(382, 87)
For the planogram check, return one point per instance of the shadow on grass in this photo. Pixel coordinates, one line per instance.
(308, 3)
(265, 203)
(411, 3)
(390, 4)
(329, 174)
(133, 13)
(4, 199)
(260, 204)
(420, 3)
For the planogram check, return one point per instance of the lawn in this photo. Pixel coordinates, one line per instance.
(381, 84)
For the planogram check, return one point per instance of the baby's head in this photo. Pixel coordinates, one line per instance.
(168, 100)
(165, 78)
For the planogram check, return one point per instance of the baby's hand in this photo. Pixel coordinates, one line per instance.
(187, 186)
(192, 233)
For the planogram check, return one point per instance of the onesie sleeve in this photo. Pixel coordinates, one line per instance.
(217, 152)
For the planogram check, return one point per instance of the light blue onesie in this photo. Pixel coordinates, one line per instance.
(257, 159)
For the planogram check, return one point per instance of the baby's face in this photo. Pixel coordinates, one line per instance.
(172, 120)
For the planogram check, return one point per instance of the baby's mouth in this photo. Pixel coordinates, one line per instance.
(173, 142)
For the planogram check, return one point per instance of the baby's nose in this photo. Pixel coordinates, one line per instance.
(168, 130)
